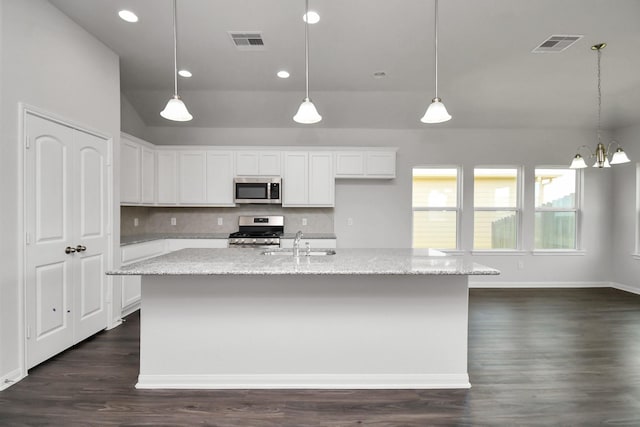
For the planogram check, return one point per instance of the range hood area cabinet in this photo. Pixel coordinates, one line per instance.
(203, 175)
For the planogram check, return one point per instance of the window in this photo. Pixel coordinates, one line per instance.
(496, 204)
(556, 216)
(435, 208)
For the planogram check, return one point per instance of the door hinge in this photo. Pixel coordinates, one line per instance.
(28, 332)
(27, 143)
(27, 238)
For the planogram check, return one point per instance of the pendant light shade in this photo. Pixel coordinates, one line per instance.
(307, 113)
(619, 157)
(578, 162)
(436, 112)
(175, 110)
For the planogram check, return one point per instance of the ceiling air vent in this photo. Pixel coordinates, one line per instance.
(555, 44)
(247, 40)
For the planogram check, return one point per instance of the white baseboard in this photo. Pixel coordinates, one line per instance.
(306, 381)
(626, 288)
(509, 285)
(11, 378)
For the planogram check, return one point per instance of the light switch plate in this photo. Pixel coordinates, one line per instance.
(173, 221)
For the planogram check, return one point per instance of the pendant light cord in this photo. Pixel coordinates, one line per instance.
(306, 46)
(599, 94)
(436, 37)
(175, 51)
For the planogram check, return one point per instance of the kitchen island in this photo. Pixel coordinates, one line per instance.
(362, 318)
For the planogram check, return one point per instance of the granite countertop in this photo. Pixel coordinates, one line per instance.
(141, 238)
(345, 261)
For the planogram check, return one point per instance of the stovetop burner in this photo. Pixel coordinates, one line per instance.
(257, 231)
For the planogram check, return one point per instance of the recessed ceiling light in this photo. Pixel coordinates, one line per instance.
(128, 16)
(185, 73)
(314, 18)
(283, 74)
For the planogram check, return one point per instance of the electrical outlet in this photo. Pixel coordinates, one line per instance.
(220, 221)
(173, 221)
(520, 265)
(304, 221)
(349, 222)
(136, 222)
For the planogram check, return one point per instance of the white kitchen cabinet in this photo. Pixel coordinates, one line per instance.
(131, 285)
(148, 175)
(380, 164)
(349, 164)
(167, 178)
(366, 164)
(258, 163)
(308, 179)
(220, 173)
(295, 187)
(66, 226)
(192, 177)
(313, 243)
(130, 171)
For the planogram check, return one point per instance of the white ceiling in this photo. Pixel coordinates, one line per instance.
(488, 77)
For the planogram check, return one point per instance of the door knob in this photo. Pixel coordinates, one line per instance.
(69, 250)
(81, 248)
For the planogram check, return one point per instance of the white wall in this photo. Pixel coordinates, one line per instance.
(50, 63)
(130, 120)
(381, 209)
(624, 218)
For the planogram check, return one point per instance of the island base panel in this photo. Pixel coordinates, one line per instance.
(319, 331)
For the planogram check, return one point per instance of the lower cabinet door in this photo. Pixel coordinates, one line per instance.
(131, 287)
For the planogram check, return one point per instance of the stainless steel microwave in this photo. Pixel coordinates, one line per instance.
(264, 190)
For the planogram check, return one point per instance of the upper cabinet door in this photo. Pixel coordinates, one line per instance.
(295, 189)
(258, 163)
(381, 164)
(167, 181)
(321, 179)
(349, 164)
(220, 175)
(148, 176)
(130, 171)
(270, 163)
(192, 177)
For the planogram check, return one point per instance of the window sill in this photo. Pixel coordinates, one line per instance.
(499, 252)
(562, 252)
(452, 252)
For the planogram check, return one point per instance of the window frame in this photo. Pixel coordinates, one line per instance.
(517, 209)
(577, 209)
(457, 209)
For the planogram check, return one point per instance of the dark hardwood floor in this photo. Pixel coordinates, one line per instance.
(566, 357)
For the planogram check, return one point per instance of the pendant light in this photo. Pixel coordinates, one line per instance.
(307, 113)
(436, 112)
(175, 109)
(601, 153)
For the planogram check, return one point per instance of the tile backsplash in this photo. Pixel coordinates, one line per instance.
(205, 220)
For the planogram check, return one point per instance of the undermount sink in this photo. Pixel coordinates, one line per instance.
(303, 252)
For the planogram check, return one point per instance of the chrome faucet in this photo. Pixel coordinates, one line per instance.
(296, 243)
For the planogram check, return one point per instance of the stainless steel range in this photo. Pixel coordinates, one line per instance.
(257, 232)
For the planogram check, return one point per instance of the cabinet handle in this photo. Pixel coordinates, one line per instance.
(69, 250)
(81, 248)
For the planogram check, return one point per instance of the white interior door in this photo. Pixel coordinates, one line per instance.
(49, 205)
(90, 224)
